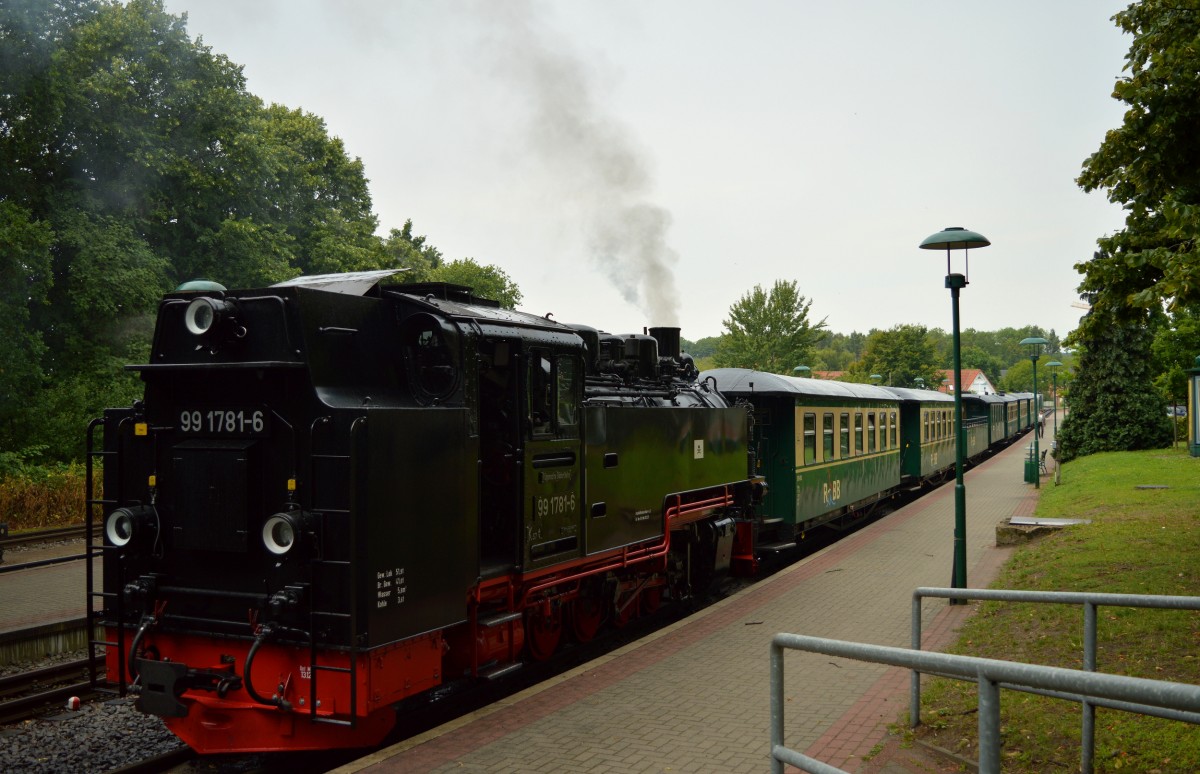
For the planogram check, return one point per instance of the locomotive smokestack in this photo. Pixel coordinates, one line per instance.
(668, 342)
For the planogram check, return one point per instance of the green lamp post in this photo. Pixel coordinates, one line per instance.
(920, 382)
(957, 238)
(1054, 365)
(1035, 344)
(802, 371)
(876, 378)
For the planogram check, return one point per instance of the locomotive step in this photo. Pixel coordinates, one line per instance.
(498, 620)
(775, 548)
(500, 670)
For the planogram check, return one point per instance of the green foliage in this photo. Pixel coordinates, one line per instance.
(42, 496)
(134, 159)
(974, 357)
(701, 348)
(412, 254)
(1112, 403)
(1150, 165)
(1019, 377)
(901, 355)
(1176, 346)
(768, 331)
(485, 281)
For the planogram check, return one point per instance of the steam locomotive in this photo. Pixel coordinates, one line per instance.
(340, 493)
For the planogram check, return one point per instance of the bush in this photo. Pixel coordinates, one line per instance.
(42, 496)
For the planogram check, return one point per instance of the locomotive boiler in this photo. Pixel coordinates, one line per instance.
(340, 493)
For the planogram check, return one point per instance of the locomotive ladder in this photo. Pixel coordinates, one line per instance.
(320, 565)
(91, 551)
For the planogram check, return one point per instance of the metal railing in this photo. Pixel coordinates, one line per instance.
(990, 674)
(1090, 602)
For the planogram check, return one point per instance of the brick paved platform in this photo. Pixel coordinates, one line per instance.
(694, 696)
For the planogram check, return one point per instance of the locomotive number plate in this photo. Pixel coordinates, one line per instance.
(225, 423)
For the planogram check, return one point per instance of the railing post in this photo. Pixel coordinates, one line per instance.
(1087, 747)
(914, 694)
(776, 705)
(989, 726)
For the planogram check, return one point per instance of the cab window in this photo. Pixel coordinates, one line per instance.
(541, 380)
(567, 382)
(553, 386)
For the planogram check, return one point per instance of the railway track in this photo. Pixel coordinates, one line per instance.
(38, 537)
(28, 694)
(42, 536)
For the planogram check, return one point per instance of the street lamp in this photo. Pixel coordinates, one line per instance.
(1054, 365)
(957, 238)
(920, 382)
(876, 378)
(1035, 344)
(801, 371)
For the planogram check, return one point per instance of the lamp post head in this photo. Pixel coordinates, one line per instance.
(879, 377)
(801, 371)
(1054, 364)
(954, 238)
(1035, 344)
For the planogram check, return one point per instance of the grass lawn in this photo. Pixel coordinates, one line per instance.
(1139, 541)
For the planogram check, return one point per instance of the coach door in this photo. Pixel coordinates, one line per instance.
(553, 458)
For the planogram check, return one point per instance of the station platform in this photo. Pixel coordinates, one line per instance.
(695, 697)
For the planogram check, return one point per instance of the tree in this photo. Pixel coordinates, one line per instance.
(768, 331)
(1151, 166)
(974, 357)
(1175, 348)
(485, 281)
(133, 158)
(1112, 405)
(901, 355)
(411, 253)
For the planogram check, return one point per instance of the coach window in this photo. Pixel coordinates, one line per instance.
(892, 426)
(827, 433)
(870, 432)
(810, 439)
(844, 433)
(924, 427)
(858, 433)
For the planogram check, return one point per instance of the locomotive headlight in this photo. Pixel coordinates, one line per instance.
(282, 532)
(205, 314)
(124, 525)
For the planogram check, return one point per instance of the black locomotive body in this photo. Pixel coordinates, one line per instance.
(339, 493)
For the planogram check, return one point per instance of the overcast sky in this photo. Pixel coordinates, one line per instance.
(643, 162)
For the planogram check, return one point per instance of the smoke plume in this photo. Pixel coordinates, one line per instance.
(598, 171)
